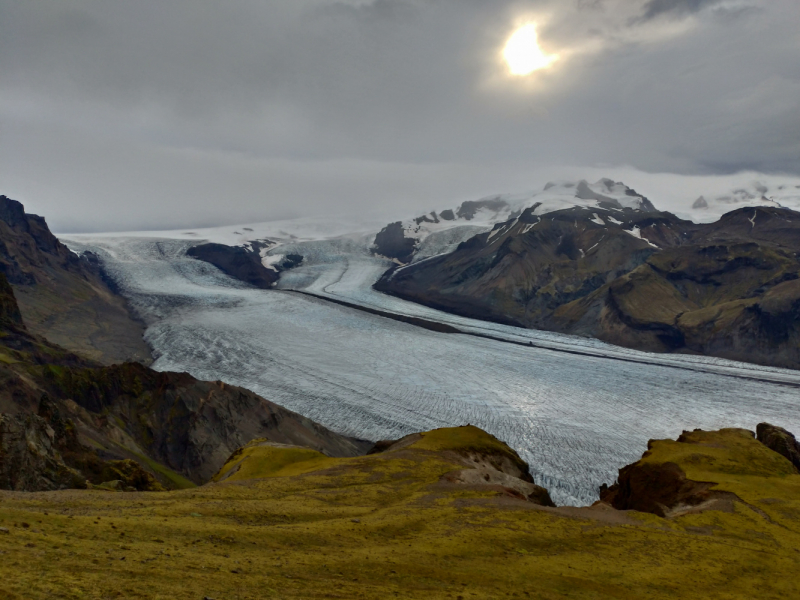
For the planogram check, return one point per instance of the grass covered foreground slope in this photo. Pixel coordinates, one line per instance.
(398, 524)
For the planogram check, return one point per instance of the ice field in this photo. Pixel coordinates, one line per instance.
(575, 409)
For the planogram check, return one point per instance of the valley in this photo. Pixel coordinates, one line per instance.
(400, 299)
(575, 408)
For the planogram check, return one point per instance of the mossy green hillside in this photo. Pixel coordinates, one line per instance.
(387, 526)
(261, 459)
(467, 438)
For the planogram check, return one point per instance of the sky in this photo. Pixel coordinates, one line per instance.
(158, 115)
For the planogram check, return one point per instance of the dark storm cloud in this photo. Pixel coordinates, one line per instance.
(657, 8)
(144, 114)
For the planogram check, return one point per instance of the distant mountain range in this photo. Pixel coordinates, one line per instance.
(755, 194)
(591, 259)
(433, 233)
(600, 260)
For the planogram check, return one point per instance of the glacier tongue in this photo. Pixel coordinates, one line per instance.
(576, 409)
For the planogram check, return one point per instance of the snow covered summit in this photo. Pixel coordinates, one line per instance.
(432, 233)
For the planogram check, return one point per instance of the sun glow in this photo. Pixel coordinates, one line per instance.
(523, 54)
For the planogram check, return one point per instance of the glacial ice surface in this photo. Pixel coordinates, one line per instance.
(576, 409)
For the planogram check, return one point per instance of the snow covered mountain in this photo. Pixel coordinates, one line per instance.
(710, 207)
(432, 234)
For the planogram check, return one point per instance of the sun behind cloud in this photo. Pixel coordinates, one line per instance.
(523, 54)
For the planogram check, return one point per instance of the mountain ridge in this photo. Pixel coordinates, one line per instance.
(648, 281)
(63, 295)
(427, 235)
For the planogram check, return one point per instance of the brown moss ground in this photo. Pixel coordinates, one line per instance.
(384, 526)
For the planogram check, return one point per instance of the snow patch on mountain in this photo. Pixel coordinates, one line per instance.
(637, 233)
(272, 261)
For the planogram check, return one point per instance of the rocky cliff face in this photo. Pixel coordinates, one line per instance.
(702, 470)
(65, 420)
(29, 456)
(644, 280)
(190, 426)
(42, 452)
(65, 296)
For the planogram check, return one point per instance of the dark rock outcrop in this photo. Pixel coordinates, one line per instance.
(781, 441)
(392, 243)
(190, 426)
(290, 261)
(121, 475)
(656, 489)
(29, 456)
(695, 472)
(238, 262)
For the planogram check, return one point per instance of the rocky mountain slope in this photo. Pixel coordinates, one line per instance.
(66, 419)
(181, 429)
(420, 520)
(641, 279)
(65, 296)
(432, 234)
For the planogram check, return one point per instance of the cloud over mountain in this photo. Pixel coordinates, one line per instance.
(140, 114)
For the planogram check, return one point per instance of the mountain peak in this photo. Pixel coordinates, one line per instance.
(437, 233)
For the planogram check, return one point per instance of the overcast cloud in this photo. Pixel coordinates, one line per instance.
(152, 114)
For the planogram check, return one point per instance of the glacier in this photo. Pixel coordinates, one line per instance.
(576, 409)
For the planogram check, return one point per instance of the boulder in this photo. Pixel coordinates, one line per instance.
(655, 489)
(29, 458)
(781, 441)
